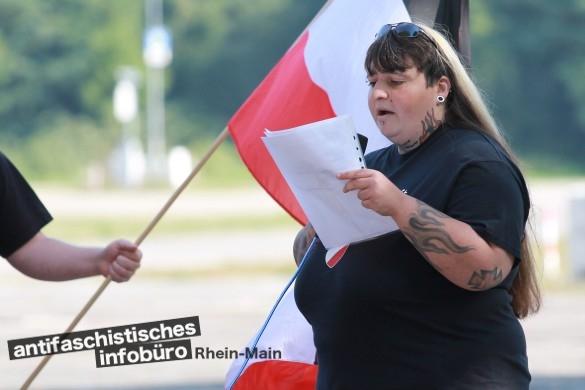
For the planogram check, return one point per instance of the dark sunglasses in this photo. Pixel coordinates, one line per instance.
(403, 29)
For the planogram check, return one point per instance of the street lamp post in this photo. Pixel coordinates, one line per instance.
(157, 53)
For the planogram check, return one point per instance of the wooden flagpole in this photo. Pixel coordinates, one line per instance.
(218, 141)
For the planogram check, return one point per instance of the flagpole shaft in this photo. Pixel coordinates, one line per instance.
(218, 141)
(71, 326)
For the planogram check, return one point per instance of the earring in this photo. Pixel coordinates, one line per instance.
(440, 99)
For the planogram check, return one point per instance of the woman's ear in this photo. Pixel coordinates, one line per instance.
(443, 87)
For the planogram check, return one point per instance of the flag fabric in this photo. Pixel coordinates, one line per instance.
(322, 75)
(286, 331)
(449, 16)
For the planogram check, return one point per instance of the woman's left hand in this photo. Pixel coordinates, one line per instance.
(374, 190)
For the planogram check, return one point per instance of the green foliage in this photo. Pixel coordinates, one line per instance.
(61, 149)
(60, 57)
(57, 76)
(224, 169)
(528, 55)
(225, 48)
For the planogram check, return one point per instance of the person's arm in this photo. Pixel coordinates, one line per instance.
(452, 247)
(46, 258)
(302, 242)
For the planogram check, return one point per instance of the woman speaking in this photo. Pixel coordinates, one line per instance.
(434, 304)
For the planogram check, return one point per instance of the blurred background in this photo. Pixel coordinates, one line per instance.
(106, 105)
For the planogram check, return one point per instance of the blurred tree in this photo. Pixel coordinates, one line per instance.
(59, 59)
(56, 79)
(224, 49)
(60, 56)
(529, 55)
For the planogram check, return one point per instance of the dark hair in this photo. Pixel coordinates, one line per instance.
(432, 54)
(390, 53)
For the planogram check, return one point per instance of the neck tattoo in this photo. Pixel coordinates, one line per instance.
(429, 125)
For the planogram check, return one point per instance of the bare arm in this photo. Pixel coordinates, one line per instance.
(452, 247)
(302, 242)
(50, 259)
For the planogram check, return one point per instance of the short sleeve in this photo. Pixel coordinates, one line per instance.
(22, 215)
(492, 198)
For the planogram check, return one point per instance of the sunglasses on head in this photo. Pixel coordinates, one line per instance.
(403, 29)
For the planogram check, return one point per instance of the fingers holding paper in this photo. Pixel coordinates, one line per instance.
(374, 189)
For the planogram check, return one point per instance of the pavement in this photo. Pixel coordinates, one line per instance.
(231, 309)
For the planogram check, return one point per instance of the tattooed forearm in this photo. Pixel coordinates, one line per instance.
(453, 248)
(483, 279)
(426, 231)
(414, 240)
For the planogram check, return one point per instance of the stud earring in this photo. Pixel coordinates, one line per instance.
(440, 99)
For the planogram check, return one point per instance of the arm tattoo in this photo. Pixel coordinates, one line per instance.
(483, 279)
(426, 231)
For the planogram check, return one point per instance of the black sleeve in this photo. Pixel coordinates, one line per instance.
(22, 215)
(492, 198)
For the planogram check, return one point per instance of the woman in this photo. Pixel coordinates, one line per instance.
(435, 303)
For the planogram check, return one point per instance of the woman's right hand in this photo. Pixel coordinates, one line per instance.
(302, 242)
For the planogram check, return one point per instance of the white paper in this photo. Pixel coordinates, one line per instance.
(309, 157)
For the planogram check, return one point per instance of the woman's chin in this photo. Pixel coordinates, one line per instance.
(392, 135)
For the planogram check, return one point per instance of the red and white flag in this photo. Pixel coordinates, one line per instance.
(321, 76)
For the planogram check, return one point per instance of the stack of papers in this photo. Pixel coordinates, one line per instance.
(309, 157)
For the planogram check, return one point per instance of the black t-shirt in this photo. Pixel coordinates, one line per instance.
(384, 318)
(22, 215)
